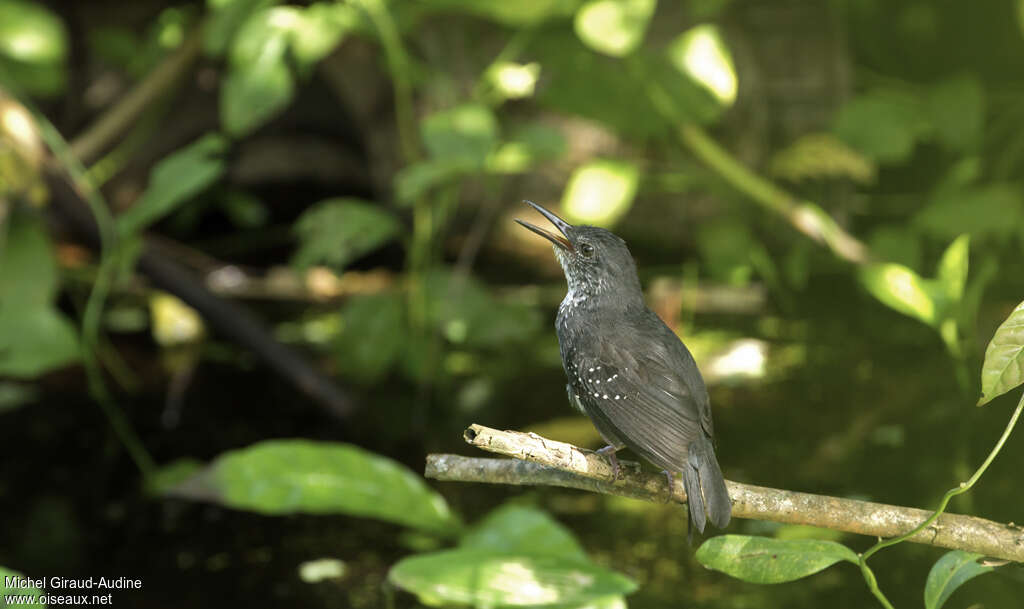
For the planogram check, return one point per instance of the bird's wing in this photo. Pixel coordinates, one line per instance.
(645, 396)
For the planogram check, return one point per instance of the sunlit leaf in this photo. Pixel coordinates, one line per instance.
(259, 83)
(277, 477)
(950, 572)
(30, 33)
(9, 592)
(226, 18)
(513, 80)
(952, 271)
(702, 54)
(320, 28)
(900, 288)
(600, 192)
(373, 336)
(822, 156)
(338, 231)
(1004, 358)
(956, 110)
(763, 560)
(466, 133)
(175, 180)
(522, 530)
(884, 125)
(990, 211)
(173, 321)
(489, 578)
(614, 27)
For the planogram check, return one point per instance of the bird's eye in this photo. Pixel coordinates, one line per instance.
(586, 249)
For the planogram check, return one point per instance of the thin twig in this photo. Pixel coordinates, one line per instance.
(560, 464)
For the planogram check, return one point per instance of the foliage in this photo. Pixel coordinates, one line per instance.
(949, 573)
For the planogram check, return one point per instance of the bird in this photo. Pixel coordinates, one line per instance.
(629, 372)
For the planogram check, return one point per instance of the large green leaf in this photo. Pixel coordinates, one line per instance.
(614, 27)
(338, 231)
(279, 477)
(466, 133)
(702, 55)
(763, 560)
(29, 594)
(522, 530)
(488, 579)
(950, 572)
(956, 109)
(1004, 358)
(175, 180)
(883, 125)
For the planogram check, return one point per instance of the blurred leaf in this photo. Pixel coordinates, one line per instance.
(278, 477)
(900, 288)
(522, 530)
(244, 210)
(600, 192)
(950, 572)
(373, 335)
(34, 336)
(525, 147)
(896, 244)
(519, 13)
(821, 156)
(993, 210)
(33, 47)
(725, 250)
(173, 322)
(320, 28)
(417, 179)
(16, 395)
(226, 18)
(1003, 369)
(176, 179)
(338, 231)
(956, 109)
(614, 27)
(701, 54)
(882, 124)
(952, 271)
(168, 476)
(462, 309)
(762, 560)
(489, 579)
(465, 134)
(7, 592)
(259, 83)
(512, 80)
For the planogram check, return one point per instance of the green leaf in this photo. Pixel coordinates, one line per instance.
(526, 147)
(416, 179)
(259, 83)
(701, 54)
(950, 572)
(600, 192)
(519, 13)
(726, 247)
(278, 477)
(900, 288)
(31, 34)
(822, 156)
(338, 231)
(320, 28)
(487, 579)
(226, 18)
(522, 530)
(465, 312)
(952, 271)
(171, 475)
(763, 560)
(35, 341)
(6, 592)
(884, 125)
(614, 27)
(28, 266)
(373, 336)
(466, 134)
(956, 110)
(1003, 369)
(175, 180)
(991, 211)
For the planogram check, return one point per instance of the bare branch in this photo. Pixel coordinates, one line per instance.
(540, 461)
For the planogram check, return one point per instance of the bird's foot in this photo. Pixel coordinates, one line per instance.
(671, 479)
(609, 452)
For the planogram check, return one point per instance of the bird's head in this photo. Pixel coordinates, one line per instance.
(595, 261)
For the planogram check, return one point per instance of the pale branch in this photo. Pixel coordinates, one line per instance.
(539, 461)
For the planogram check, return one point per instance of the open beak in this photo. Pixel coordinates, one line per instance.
(563, 227)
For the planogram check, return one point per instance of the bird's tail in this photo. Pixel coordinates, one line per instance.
(705, 487)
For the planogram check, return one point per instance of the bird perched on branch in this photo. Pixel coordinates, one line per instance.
(629, 372)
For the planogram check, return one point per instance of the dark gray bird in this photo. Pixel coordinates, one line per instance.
(628, 371)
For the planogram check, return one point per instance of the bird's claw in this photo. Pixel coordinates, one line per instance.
(609, 452)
